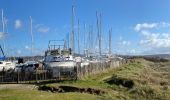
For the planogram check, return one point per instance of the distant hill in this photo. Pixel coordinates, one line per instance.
(165, 56)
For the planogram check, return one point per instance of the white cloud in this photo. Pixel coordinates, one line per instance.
(132, 51)
(18, 24)
(124, 43)
(164, 24)
(157, 42)
(151, 39)
(140, 27)
(42, 28)
(27, 47)
(147, 26)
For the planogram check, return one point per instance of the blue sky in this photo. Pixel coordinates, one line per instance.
(138, 26)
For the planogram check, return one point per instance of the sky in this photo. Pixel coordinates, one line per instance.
(139, 27)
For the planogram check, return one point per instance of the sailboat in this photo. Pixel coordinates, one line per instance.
(4, 64)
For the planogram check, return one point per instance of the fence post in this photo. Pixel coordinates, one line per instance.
(36, 76)
(17, 77)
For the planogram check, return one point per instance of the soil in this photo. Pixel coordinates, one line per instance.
(64, 89)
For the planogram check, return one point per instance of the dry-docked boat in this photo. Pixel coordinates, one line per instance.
(5, 65)
(59, 61)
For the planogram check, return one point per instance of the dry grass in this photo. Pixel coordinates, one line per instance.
(150, 81)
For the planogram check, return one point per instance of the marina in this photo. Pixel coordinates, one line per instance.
(84, 50)
(61, 61)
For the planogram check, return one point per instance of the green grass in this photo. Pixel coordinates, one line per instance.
(147, 85)
(39, 95)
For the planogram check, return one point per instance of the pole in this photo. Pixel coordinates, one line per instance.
(110, 41)
(72, 33)
(31, 36)
(78, 37)
(3, 28)
(100, 35)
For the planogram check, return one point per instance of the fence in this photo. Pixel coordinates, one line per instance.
(97, 67)
(23, 76)
(80, 71)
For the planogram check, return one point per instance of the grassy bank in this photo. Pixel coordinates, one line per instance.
(139, 79)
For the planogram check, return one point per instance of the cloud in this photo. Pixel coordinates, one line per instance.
(42, 28)
(147, 26)
(124, 43)
(3, 35)
(157, 41)
(132, 51)
(163, 24)
(140, 27)
(18, 24)
(27, 47)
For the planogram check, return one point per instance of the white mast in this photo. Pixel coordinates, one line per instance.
(98, 16)
(72, 31)
(78, 37)
(110, 41)
(31, 36)
(3, 28)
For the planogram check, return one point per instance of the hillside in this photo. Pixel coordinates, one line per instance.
(139, 79)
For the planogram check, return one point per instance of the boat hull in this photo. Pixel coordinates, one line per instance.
(57, 68)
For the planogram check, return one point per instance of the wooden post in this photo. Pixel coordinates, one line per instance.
(36, 77)
(59, 75)
(3, 72)
(17, 77)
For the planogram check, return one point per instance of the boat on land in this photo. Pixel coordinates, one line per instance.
(5, 65)
(59, 60)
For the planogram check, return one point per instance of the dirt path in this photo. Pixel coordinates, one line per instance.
(17, 86)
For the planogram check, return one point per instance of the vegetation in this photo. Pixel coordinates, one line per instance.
(139, 79)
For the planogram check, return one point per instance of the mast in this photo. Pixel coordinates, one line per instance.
(84, 39)
(78, 37)
(110, 41)
(99, 30)
(72, 31)
(90, 39)
(97, 24)
(100, 35)
(3, 28)
(31, 35)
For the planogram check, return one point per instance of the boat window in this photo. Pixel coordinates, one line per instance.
(1, 62)
(8, 63)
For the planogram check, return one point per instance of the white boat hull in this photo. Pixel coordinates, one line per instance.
(62, 66)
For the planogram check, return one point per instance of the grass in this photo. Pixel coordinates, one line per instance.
(40, 95)
(149, 84)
